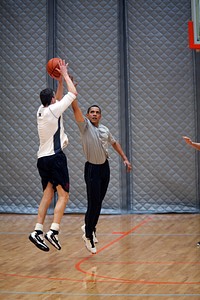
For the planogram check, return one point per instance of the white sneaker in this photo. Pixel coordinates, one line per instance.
(94, 235)
(89, 244)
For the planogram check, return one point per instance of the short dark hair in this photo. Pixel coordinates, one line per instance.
(93, 106)
(46, 96)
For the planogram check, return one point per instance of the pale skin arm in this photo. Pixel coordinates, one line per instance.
(63, 70)
(119, 150)
(192, 144)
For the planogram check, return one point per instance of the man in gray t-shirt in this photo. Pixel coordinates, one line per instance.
(95, 140)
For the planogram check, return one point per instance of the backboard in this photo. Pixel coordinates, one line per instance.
(194, 25)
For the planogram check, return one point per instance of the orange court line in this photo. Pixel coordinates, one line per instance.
(100, 278)
(124, 234)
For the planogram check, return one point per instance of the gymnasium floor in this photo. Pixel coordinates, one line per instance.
(139, 257)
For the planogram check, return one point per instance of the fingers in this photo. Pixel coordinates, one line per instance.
(62, 62)
(128, 166)
(62, 67)
(187, 139)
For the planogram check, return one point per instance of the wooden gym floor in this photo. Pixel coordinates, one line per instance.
(139, 257)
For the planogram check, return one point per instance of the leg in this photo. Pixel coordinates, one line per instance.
(52, 234)
(63, 198)
(36, 237)
(105, 178)
(60, 179)
(45, 202)
(92, 179)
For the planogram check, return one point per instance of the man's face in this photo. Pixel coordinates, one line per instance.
(94, 115)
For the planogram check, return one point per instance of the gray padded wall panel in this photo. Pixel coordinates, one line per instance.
(162, 107)
(87, 37)
(23, 57)
(162, 100)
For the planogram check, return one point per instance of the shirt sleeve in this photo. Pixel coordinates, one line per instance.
(105, 135)
(83, 125)
(111, 138)
(60, 106)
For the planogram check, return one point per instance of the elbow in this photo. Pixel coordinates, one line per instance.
(73, 92)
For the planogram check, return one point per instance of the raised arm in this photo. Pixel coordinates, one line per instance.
(63, 69)
(192, 144)
(59, 91)
(77, 111)
(119, 150)
(75, 106)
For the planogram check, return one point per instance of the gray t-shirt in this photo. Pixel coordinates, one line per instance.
(95, 141)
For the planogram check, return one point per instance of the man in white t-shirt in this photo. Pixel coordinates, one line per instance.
(52, 162)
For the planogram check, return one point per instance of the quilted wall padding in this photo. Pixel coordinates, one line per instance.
(161, 98)
(90, 43)
(162, 107)
(23, 57)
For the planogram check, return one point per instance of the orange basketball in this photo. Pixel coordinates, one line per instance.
(51, 67)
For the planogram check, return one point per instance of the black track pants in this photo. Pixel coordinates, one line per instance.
(97, 178)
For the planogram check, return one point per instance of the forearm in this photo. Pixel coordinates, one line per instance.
(59, 92)
(77, 111)
(63, 70)
(191, 143)
(195, 145)
(119, 150)
(70, 85)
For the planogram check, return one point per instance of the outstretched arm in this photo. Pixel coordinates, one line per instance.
(59, 91)
(192, 144)
(75, 106)
(77, 111)
(119, 150)
(63, 70)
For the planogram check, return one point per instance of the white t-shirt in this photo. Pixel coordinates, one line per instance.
(50, 126)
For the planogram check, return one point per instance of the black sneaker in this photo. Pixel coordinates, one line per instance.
(52, 237)
(198, 244)
(37, 238)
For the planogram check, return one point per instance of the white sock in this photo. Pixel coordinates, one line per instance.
(55, 226)
(39, 226)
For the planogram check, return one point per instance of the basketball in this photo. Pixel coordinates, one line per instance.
(51, 67)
